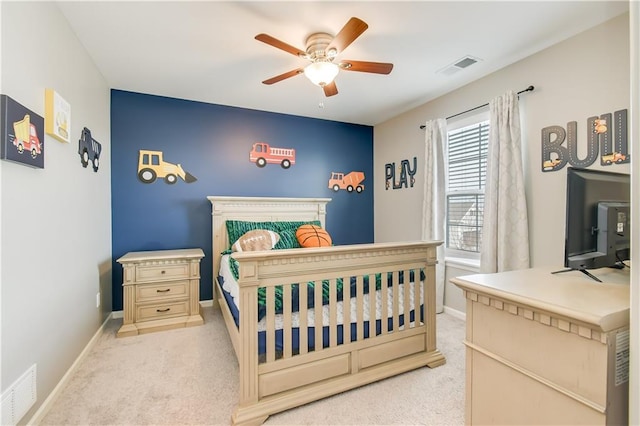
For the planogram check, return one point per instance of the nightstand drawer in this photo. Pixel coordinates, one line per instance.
(162, 272)
(170, 290)
(162, 310)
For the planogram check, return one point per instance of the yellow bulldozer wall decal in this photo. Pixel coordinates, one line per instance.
(151, 166)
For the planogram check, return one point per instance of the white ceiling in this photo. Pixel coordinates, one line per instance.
(206, 51)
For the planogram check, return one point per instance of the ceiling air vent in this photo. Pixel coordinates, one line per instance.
(458, 65)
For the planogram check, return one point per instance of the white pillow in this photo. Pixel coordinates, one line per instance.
(258, 239)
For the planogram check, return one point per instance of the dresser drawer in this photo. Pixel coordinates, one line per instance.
(169, 290)
(162, 310)
(162, 272)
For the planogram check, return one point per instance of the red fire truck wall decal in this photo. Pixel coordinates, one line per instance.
(21, 134)
(348, 181)
(262, 154)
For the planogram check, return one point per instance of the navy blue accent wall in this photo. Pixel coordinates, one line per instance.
(212, 142)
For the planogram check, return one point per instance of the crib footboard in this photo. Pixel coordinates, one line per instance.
(332, 319)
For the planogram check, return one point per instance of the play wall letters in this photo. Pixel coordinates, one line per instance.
(402, 176)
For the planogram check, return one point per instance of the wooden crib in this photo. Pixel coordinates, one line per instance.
(347, 348)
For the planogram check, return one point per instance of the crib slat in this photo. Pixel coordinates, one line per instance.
(271, 324)
(346, 310)
(396, 299)
(286, 320)
(416, 296)
(303, 330)
(317, 310)
(359, 307)
(407, 299)
(333, 313)
(372, 305)
(385, 305)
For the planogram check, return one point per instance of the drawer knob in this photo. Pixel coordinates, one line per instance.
(163, 272)
(163, 291)
(163, 310)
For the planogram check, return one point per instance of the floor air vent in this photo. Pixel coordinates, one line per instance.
(19, 397)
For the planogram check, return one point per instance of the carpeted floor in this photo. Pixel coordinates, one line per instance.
(189, 377)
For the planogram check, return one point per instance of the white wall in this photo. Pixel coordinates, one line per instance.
(56, 222)
(584, 76)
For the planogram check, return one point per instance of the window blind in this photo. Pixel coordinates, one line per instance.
(467, 158)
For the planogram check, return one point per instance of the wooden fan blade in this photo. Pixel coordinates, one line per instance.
(281, 77)
(265, 38)
(347, 35)
(364, 66)
(330, 89)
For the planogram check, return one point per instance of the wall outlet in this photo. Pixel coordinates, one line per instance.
(97, 299)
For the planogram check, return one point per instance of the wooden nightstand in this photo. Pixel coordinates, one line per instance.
(161, 290)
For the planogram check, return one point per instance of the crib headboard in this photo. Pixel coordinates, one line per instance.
(259, 209)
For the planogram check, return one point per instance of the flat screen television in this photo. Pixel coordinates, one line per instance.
(597, 232)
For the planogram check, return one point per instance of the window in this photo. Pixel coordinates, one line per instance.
(467, 167)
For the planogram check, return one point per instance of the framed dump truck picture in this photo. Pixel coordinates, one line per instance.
(21, 134)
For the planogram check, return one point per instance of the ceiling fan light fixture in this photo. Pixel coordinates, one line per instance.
(321, 73)
(321, 49)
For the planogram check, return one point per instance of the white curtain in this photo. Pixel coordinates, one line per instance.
(433, 205)
(505, 231)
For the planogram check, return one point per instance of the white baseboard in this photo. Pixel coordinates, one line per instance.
(455, 313)
(55, 393)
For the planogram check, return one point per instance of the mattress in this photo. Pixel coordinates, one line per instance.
(231, 293)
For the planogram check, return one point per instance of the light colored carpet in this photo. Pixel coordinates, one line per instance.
(190, 377)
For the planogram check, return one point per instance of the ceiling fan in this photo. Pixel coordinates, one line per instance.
(321, 50)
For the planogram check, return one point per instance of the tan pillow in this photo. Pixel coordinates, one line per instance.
(258, 239)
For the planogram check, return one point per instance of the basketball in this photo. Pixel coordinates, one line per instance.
(313, 236)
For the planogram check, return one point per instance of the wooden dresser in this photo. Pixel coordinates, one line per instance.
(161, 290)
(547, 349)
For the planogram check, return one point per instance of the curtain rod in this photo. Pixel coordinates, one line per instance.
(528, 89)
